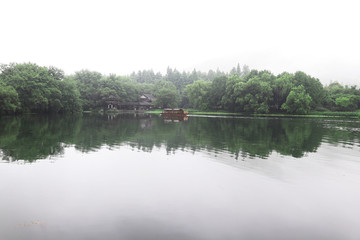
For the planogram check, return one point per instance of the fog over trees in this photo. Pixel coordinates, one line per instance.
(28, 87)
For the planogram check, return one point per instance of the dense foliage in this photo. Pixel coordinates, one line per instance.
(263, 92)
(31, 88)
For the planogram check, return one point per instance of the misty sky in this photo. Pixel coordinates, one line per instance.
(321, 38)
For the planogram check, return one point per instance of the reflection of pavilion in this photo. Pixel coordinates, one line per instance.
(145, 102)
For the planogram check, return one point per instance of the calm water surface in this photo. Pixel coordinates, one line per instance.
(140, 177)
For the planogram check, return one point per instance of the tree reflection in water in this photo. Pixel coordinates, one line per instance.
(34, 137)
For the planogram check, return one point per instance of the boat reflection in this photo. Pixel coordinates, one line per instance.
(174, 118)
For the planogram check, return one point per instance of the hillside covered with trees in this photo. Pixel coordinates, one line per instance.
(28, 88)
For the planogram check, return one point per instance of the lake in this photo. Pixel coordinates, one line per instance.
(138, 176)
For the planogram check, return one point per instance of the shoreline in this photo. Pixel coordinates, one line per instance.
(311, 114)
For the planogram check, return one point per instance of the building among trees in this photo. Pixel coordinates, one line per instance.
(145, 102)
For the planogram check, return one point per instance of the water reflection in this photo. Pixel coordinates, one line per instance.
(118, 178)
(35, 137)
(174, 118)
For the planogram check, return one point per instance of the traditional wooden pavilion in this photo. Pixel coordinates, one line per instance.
(145, 102)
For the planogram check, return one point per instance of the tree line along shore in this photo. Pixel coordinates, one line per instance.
(30, 88)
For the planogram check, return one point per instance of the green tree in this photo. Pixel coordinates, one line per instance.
(70, 97)
(340, 98)
(347, 103)
(198, 94)
(228, 101)
(218, 87)
(312, 86)
(164, 84)
(281, 88)
(88, 83)
(166, 98)
(38, 88)
(9, 100)
(245, 70)
(256, 94)
(30, 82)
(119, 88)
(298, 101)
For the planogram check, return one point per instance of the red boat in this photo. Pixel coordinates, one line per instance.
(174, 112)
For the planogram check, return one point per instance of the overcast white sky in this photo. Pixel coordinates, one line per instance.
(321, 38)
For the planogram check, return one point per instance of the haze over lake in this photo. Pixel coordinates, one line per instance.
(137, 176)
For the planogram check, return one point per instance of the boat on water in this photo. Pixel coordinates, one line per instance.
(174, 112)
(174, 115)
